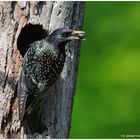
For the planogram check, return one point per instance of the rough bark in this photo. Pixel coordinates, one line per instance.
(53, 118)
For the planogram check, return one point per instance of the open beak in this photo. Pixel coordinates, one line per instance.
(77, 35)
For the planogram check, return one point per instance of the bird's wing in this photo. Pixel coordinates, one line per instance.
(26, 86)
(22, 104)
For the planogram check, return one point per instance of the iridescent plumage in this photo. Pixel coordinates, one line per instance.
(42, 65)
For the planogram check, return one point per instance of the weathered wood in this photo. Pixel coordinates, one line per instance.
(54, 114)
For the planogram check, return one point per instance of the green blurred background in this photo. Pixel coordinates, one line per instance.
(107, 98)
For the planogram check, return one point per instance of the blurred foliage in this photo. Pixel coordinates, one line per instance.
(108, 87)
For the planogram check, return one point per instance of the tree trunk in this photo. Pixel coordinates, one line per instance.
(22, 23)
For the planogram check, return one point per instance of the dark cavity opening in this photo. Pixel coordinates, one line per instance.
(29, 34)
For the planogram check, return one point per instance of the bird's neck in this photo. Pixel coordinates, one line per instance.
(57, 45)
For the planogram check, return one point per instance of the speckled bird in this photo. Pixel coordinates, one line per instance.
(42, 65)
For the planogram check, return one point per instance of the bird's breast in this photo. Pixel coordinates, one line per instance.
(51, 67)
(46, 68)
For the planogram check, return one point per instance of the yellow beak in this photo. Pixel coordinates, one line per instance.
(80, 35)
(78, 32)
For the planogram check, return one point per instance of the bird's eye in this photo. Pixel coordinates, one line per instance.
(66, 33)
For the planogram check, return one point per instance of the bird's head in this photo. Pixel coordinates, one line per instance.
(63, 36)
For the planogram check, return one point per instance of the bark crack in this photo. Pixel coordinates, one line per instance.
(5, 69)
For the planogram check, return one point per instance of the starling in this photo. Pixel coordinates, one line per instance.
(42, 65)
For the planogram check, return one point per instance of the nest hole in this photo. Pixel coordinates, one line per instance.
(29, 34)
